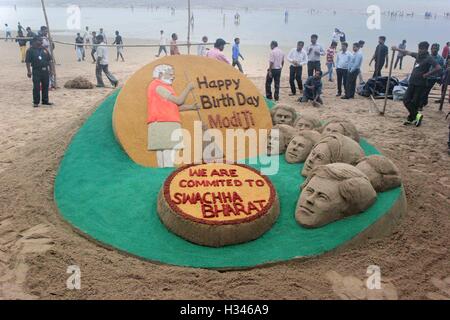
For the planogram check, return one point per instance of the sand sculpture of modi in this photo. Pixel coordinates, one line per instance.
(333, 192)
(163, 111)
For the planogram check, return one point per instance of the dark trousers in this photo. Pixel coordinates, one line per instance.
(103, 68)
(276, 76)
(313, 66)
(378, 68)
(40, 78)
(413, 100)
(238, 64)
(161, 49)
(295, 74)
(350, 86)
(430, 85)
(399, 60)
(342, 75)
(93, 51)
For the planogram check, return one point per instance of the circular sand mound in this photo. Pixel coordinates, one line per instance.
(79, 83)
(217, 205)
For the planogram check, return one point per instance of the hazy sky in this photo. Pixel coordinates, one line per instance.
(407, 5)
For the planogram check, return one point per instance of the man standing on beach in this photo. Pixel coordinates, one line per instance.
(331, 52)
(79, 47)
(446, 51)
(354, 69)
(118, 41)
(314, 51)
(102, 64)
(22, 45)
(174, 51)
(298, 58)
(202, 50)
(8, 33)
(103, 34)
(400, 56)
(437, 77)
(380, 56)
(361, 46)
(39, 59)
(94, 46)
(217, 52)
(236, 54)
(424, 67)
(276, 64)
(342, 64)
(31, 35)
(162, 44)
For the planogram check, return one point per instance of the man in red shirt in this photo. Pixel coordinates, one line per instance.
(446, 51)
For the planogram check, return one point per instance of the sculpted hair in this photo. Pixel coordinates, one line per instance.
(287, 132)
(160, 70)
(349, 128)
(389, 175)
(310, 135)
(342, 149)
(354, 187)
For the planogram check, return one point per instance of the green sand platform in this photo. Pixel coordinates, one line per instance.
(109, 198)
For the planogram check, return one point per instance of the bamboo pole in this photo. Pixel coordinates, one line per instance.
(444, 91)
(388, 83)
(51, 43)
(189, 27)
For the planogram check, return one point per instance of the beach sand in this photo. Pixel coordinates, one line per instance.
(37, 245)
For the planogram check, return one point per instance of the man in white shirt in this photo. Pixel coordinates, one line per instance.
(202, 50)
(336, 36)
(102, 33)
(8, 33)
(342, 64)
(297, 58)
(102, 64)
(276, 64)
(162, 44)
(314, 51)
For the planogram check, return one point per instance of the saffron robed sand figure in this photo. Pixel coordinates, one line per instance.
(226, 98)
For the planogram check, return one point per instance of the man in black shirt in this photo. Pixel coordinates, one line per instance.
(31, 35)
(79, 47)
(424, 67)
(39, 59)
(380, 56)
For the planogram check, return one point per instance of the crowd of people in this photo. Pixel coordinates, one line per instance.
(343, 64)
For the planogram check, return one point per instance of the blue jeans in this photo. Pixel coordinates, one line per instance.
(330, 70)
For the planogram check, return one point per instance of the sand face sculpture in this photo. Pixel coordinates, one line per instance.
(279, 138)
(344, 127)
(301, 145)
(307, 122)
(332, 149)
(333, 192)
(381, 171)
(283, 115)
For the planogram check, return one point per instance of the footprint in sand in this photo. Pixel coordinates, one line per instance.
(14, 248)
(352, 288)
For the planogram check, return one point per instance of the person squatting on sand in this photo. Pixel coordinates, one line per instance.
(102, 64)
(313, 88)
(276, 64)
(39, 60)
(424, 67)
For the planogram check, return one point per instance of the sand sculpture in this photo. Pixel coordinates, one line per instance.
(217, 205)
(279, 138)
(381, 171)
(79, 83)
(333, 192)
(332, 149)
(283, 115)
(301, 145)
(227, 100)
(164, 108)
(308, 122)
(344, 127)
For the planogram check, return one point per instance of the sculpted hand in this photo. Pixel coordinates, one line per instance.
(190, 87)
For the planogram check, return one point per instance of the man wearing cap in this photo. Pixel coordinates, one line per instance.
(38, 59)
(217, 52)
